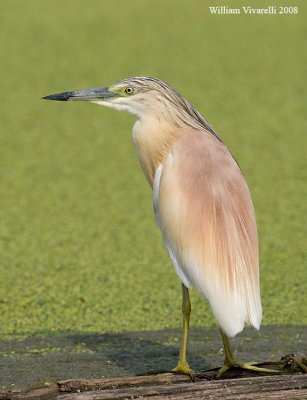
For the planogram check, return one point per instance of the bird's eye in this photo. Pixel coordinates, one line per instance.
(129, 90)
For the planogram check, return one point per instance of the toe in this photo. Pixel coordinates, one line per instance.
(184, 370)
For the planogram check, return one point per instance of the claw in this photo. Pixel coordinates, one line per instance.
(230, 361)
(184, 369)
(248, 367)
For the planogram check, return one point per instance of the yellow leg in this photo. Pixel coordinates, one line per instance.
(230, 361)
(183, 366)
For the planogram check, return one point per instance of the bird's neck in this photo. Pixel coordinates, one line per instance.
(153, 140)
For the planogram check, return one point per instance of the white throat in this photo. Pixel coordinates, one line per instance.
(121, 104)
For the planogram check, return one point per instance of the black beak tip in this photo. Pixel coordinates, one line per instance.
(58, 96)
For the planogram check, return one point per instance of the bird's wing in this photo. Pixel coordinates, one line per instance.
(205, 212)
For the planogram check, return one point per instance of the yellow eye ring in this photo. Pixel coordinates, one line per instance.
(129, 90)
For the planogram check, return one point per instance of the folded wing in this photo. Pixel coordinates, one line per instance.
(205, 212)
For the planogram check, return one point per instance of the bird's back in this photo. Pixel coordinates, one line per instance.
(205, 212)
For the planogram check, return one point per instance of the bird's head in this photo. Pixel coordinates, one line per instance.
(144, 97)
(138, 95)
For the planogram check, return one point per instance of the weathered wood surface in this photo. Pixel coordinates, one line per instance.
(243, 388)
(173, 387)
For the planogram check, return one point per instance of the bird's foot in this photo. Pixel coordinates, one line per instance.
(248, 367)
(184, 369)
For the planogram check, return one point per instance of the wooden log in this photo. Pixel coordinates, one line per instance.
(76, 385)
(44, 393)
(236, 384)
(266, 387)
(172, 387)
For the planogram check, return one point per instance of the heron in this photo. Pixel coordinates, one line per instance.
(201, 202)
